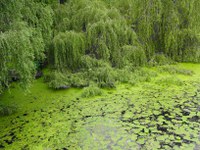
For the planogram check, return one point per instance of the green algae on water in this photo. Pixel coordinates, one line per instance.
(149, 116)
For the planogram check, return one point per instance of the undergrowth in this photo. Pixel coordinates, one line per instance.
(63, 80)
(104, 75)
(174, 70)
(6, 110)
(170, 81)
(91, 91)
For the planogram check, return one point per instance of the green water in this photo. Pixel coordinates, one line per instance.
(163, 113)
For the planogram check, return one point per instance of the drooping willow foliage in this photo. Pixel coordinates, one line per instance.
(9, 12)
(106, 31)
(168, 27)
(104, 40)
(39, 17)
(119, 33)
(25, 33)
(85, 13)
(68, 47)
(133, 55)
(18, 50)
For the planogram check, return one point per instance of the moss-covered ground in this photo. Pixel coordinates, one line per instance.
(161, 113)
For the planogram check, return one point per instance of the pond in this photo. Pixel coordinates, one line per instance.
(163, 113)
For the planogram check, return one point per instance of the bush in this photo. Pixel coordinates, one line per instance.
(132, 55)
(192, 55)
(78, 80)
(103, 76)
(91, 91)
(57, 80)
(174, 70)
(170, 81)
(134, 75)
(88, 62)
(160, 59)
(142, 75)
(123, 75)
(63, 80)
(7, 110)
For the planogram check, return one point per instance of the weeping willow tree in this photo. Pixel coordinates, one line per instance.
(181, 30)
(40, 17)
(18, 50)
(50, 2)
(10, 12)
(169, 27)
(78, 14)
(68, 47)
(35, 15)
(125, 7)
(147, 15)
(105, 28)
(92, 13)
(189, 30)
(61, 22)
(87, 12)
(134, 55)
(25, 34)
(104, 40)
(117, 32)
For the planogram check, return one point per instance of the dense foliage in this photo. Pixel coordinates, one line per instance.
(93, 37)
(25, 35)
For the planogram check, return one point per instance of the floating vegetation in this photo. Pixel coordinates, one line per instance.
(150, 115)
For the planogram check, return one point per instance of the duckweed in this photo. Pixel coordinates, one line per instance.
(152, 115)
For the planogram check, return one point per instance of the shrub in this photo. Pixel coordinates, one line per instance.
(78, 80)
(192, 55)
(7, 110)
(174, 70)
(57, 80)
(133, 55)
(88, 62)
(123, 75)
(160, 59)
(142, 75)
(170, 81)
(91, 91)
(103, 76)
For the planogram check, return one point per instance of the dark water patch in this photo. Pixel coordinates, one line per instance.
(187, 141)
(25, 114)
(185, 112)
(62, 109)
(123, 112)
(194, 119)
(8, 141)
(178, 143)
(161, 128)
(103, 114)
(26, 147)
(2, 146)
(164, 144)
